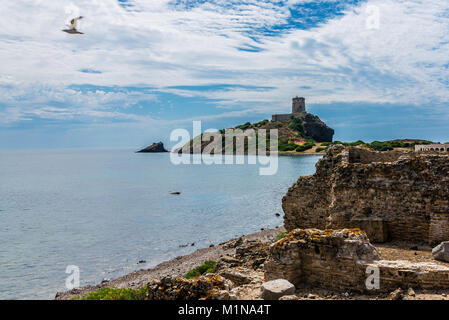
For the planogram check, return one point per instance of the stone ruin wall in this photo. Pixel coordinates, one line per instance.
(390, 195)
(338, 260)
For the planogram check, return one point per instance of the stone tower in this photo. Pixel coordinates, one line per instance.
(299, 105)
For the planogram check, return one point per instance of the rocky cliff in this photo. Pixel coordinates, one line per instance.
(390, 195)
(317, 129)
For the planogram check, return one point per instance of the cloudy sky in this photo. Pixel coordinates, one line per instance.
(373, 69)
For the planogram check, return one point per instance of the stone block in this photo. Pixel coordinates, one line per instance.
(274, 289)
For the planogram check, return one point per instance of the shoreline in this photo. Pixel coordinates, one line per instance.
(177, 266)
(281, 153)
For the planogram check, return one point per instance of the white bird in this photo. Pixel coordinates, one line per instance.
(72, 27)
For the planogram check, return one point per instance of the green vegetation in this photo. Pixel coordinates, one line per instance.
(261, 123)
(281, 234)
(319, 149)
(389, 145)
(207, 267)
(116, 294)
(350, 144)
(383, 145)
(290, 146)
(244, 126)
(305, 146)
(296, 125)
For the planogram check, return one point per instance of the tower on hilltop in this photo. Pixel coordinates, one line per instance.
(299, 105)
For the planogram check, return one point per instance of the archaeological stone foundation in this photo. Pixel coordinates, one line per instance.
(343, 260)
(389, 195)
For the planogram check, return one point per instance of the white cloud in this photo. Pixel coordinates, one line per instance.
(157, 44)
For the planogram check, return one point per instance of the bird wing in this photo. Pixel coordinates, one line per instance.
(74, 22)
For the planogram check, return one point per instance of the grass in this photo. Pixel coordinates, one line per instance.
(116, 294)
(206, 267)
(281, 235)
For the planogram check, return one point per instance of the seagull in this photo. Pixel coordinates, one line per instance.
(72, 26)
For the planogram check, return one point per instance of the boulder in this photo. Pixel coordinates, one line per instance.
(441, 251)
(274, 289)
(397, 294)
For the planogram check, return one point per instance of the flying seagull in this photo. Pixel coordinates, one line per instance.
(72, 27)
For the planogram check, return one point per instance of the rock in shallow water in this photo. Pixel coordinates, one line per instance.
(274, 289)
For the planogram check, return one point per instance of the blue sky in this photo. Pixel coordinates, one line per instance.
(372, 69)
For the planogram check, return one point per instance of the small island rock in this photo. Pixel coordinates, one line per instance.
(155, 147)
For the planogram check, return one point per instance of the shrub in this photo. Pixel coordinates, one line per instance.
(290, 146)
(206, 267)
(380, 146)
(117, 294)
(281, 234)
(319, 149)
(244, 126)
(296, 125)
(306, 146)
(261, 123)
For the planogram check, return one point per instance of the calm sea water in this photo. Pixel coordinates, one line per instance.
(105, 210)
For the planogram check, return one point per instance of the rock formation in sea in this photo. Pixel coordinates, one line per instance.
(155, 147)
(297, 126)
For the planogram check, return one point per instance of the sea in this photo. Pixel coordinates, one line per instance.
(112, 212)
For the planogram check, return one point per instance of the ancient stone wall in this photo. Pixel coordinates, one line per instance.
(331, 258)
(339, 260)
(391, 195)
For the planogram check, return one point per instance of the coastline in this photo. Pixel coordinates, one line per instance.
(285, 153)
(296, 154)
(175, 267)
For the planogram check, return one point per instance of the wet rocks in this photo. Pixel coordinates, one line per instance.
(274, 289)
